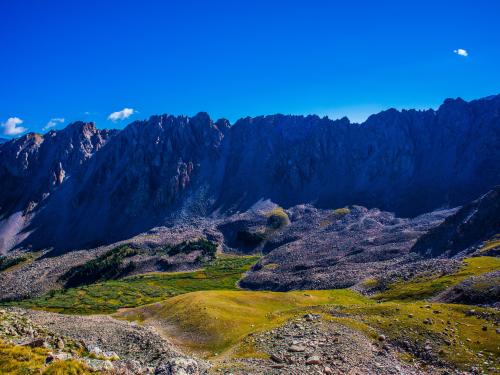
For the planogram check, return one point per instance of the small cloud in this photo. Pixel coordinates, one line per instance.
(121, 115)
(11, 126)
(53, 122)
(461, 52)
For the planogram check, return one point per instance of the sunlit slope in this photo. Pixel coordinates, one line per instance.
(212, 321)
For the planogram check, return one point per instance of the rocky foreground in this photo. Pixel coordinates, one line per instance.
(101, 343)
(311, 343)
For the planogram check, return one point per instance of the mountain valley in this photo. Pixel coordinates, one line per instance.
(275, 245)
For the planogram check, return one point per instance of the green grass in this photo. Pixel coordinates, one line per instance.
(214, 324)
(16, 359)
(210, 322)
(492, 244)
(456, 336)
(422, 288)
(109, 296)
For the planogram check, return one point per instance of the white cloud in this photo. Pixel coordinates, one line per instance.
(121, 115)
(53, 122)
(11, 126)
(461, 52)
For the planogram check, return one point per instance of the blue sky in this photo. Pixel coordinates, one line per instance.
(84, 60)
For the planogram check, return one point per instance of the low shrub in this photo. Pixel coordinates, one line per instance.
(207, 248)
(277, 218)
(8, 262)
(108, 266)
(341, 211)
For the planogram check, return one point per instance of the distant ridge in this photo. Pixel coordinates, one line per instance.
(82, 186)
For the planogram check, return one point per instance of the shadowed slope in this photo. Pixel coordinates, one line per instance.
(171, 168)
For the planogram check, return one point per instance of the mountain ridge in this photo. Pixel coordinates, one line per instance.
(169, 167)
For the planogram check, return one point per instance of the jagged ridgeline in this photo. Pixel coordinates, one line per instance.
(81, 186)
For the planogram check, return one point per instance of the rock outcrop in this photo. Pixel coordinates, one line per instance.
(33, 166)
(471, 225)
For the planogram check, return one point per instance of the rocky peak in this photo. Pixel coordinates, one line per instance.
(39, 163)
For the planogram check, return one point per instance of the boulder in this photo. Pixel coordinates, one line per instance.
(178, 366)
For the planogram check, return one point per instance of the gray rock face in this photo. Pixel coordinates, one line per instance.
(477, 290)
(34, 165)
(169, 168)
(406, 162)
(472, 224)
(178, 366)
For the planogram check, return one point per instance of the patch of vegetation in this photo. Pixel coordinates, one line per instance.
(108, 266)
(277, 218)
(493, 245)
(8, 262)
(16, 359)
(341, 211)
(455, 335)
(207, 248)
(422, 288)
(334, 216)
(370, 283)
(111, 295)
(68, 367)
(214, 323)
(211, 322)
(271, 266)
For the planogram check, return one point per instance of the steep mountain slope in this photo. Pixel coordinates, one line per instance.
(129, 186)
(34, 165)
(473, 223)
(425, 159)
(170, 168)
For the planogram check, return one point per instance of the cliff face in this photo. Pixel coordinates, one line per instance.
(169, 168)
(32, 166)
(408, 162)
(472, 224)
(143, 173)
